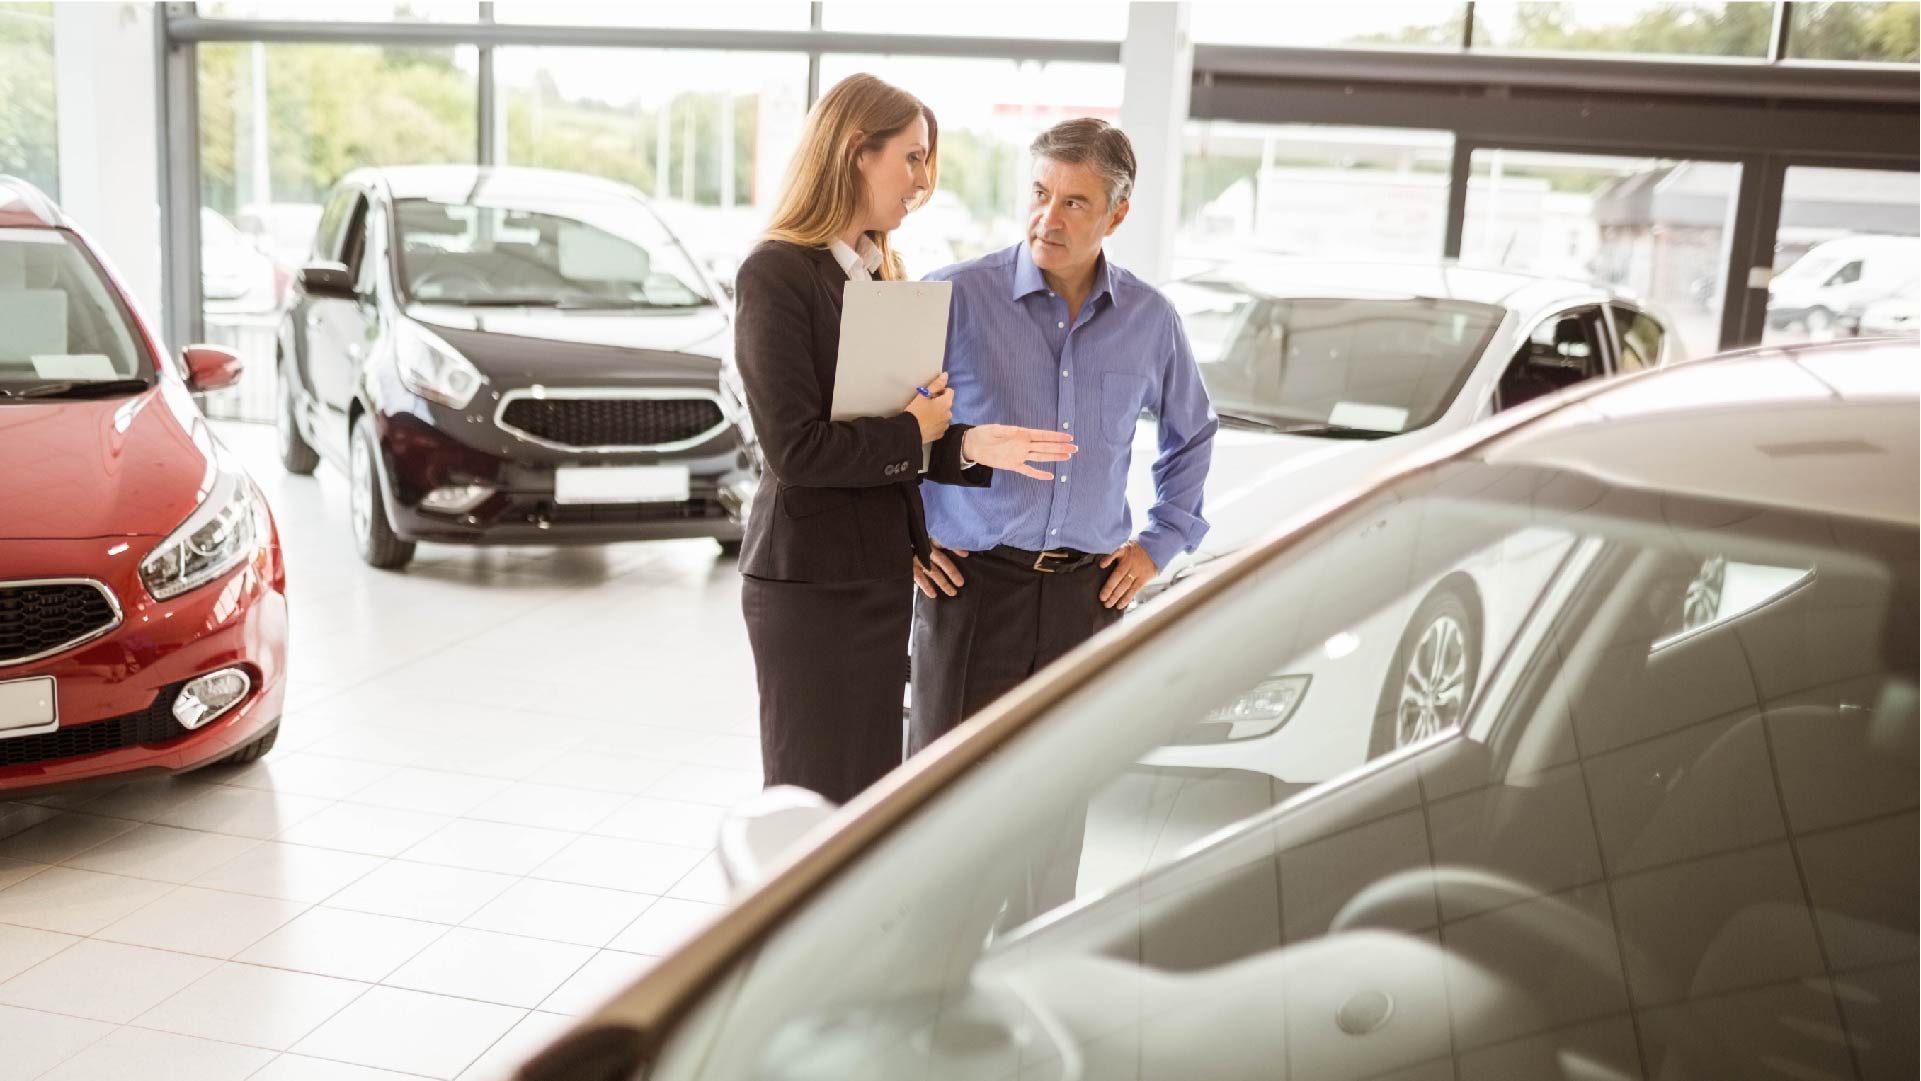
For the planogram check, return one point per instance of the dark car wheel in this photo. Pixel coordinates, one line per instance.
(297, 456)
(729, 549)
(374, 537)
(255, 751)
(1431, 680)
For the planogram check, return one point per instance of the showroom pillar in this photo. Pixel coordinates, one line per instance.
(104, 78)
(1157, 70)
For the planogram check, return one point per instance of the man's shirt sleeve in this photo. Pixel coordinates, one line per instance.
(1187, 427)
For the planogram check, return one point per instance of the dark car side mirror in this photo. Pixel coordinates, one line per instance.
(211, 367)
(328, 280)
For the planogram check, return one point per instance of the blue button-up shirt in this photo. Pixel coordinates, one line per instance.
(1012, 358)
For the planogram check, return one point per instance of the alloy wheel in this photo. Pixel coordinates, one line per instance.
(361, 493)
(1434, 684)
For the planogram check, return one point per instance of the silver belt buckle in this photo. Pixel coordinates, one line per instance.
(1043, 557)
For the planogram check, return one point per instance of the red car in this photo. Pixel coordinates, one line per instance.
(143, 611)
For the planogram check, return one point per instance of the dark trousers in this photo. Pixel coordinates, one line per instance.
(829, 658)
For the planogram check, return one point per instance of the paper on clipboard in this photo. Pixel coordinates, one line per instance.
(893, 338)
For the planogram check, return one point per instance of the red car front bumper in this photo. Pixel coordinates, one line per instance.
(115, 693)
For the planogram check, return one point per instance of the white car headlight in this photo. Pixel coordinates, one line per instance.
(434, 370)
(1259, 712)
(221, 533)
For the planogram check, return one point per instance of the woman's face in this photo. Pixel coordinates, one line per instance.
(896, 177)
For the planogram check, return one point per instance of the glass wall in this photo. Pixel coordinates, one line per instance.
(1419, 25)
(29, 136)
(356, 11)
(1643, 27)
(1886, 33)
(1846, 257)
(1654, 228)
(1314, 190)
(728, 16)
(990, 18)
(989, 110)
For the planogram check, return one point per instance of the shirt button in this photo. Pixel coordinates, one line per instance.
(1064, 427)
(1060, 324)
(1063, 375)
(1053, 532)
(1063, 480)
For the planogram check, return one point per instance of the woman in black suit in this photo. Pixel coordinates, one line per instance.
(827, 562)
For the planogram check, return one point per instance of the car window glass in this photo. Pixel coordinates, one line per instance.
(1847, 275)
(1641, 338)
(326, 240)
(368, 256)
(63, 320)
(353, 243)
(1560, 352)
(1695, 861)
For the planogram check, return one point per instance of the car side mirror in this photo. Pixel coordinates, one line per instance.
(327, 280)
(211, 367)
(758, 834)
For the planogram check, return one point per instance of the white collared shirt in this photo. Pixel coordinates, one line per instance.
(859, 261)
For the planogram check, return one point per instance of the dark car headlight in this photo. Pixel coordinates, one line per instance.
(221, 533)
(435, 370)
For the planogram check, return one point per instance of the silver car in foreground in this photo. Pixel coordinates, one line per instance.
(1660, 845)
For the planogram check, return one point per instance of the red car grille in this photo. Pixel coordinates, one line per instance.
(612, 422)
(155, 724)
(37, 619)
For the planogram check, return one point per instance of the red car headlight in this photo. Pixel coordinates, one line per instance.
(222, 533)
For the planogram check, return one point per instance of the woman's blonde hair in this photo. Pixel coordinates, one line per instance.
(824, 190)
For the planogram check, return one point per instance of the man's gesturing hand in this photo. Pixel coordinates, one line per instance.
(1132, 569)
(1004, 446)
(943, 575)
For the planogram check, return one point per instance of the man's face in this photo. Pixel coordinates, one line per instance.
(1068, 217)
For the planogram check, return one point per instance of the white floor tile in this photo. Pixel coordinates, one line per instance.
(161, 1056)
(490, 846)
(162, 853)
(605, 975)
(666, 924)
(522, 1042)
(247, 1004)
(15, 817)
(620, 864)
(422, 891)
(548, 807)
(432, 791)
(493, 967)
(373, 831)
(706, 784)
(665, 821)
(706, 882)
(243, 812)
(210, 923)
(36, 1042)
(583, 915)
(412, 1032)
(289, 872)
(142, 800)
(303, 1068)
(21, 948)
(350, 945)
(103, 981)
(303, 774)
(628, 774)
(76, 902)
(63, 836)
(12, 871)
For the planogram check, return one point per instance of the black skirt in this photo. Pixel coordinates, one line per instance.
(830, 659)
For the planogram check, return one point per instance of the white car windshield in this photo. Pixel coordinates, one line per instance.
(1334, 366)
(597, 254)
(61, 324)
(1507, 771)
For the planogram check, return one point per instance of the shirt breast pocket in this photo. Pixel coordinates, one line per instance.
(1123, 396)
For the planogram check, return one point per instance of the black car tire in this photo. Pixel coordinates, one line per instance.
(374, 536)
(297, 456)
(253, 751)
(729, 549)
(1460, 660)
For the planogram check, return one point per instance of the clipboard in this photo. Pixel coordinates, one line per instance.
(893, 339)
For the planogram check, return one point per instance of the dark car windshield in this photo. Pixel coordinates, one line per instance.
(60, 320)
(601, 253)
(1336, 367)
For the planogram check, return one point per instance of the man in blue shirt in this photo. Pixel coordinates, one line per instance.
(1050, 334)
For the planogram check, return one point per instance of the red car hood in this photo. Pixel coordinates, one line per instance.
(118, 467)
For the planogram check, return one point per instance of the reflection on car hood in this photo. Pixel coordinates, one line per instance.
(690, 330)
(109, 468)
(518, 346)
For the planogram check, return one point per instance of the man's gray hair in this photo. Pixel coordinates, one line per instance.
(1095, 143)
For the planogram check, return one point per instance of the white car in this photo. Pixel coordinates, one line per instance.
(1827, 290)
(1895, 316)
(1646, 853)
(1325, 374)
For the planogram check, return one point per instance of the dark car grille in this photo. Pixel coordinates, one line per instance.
(44, 618)
(155, 724)
(612, 422)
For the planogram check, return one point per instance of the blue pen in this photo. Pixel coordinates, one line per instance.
(923, 392)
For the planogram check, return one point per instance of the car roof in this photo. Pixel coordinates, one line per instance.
(1444, 279)
(1829, 429)
(24, 206)
(502, 183)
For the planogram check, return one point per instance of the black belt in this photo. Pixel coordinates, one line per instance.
(1056, 561)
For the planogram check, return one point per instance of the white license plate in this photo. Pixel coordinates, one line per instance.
(621, 484)
(26, 704)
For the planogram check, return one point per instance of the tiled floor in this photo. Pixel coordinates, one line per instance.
(492, 804)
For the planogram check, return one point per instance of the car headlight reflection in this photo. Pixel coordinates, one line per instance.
(1259, 712)
(432, 369)
(218, 536)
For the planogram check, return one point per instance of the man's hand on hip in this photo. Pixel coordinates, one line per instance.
(1131, 569)
(944, 574)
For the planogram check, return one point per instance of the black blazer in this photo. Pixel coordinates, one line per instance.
(840, 501)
